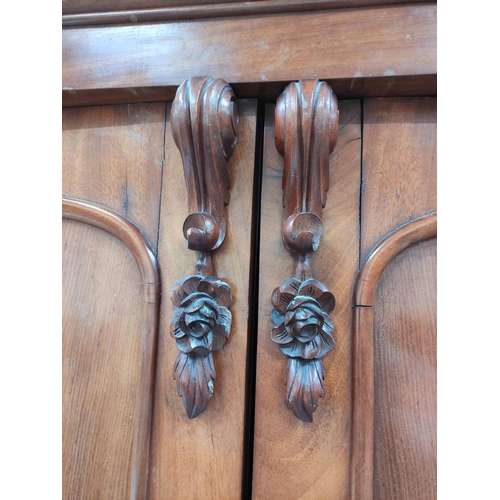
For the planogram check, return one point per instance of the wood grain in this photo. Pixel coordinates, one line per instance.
(399, 165)
(90, 13)
(405, 377)
(294, 459)
(202, 458)
(363, 420)
(131, 236)
(399, 185)
(348, 49)
(113, 155)
(386, 250)
(101, 361)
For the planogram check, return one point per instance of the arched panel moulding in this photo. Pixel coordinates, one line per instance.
(132, 237)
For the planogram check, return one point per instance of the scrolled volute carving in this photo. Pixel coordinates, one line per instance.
(204, 119)
(306, 130)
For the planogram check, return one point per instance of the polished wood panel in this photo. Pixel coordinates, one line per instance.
(363, 420)
(90, 13)
(202, 458)
(399, 165)
(113, 155)
(101, 352)
(405, 377)
(355, 51)
(134, 240)
(294, 459)
(386, 250)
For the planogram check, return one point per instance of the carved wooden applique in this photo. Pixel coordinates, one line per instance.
(306, 130)
(204, 119)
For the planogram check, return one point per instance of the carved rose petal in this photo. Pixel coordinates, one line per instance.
(190, 284)
(280, 335)
(218, 289)
(316, 289)
(276, 301)
(177, 293)
(203, 345)
(208, 312)
(313, 348)
(219, 337)
(305, 331)
(224, 320)
(183, 344)
(303, 301)
(196, 301)
(277, 317)
(326, 345)
(175, 330)
(294, 349)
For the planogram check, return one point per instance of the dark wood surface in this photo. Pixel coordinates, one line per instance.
(405, 452)
(294, 459)
(358, 52)
(203, 457)
(92, 13)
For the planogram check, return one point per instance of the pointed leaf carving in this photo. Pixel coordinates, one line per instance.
(195, 375)
(304, 380)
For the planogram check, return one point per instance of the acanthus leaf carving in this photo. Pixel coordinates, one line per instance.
(204, 119)
(306, 130)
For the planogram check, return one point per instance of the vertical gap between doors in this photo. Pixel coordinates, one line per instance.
(361, 182)
(253, 305)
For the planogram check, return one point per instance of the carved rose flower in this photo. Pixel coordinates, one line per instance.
(300, 316)
(202, 320)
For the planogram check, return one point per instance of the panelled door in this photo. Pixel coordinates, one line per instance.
(247, 443)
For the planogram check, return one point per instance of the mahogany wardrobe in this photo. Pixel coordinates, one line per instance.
(249, 249)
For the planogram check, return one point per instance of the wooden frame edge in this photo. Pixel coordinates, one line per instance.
(363, 390)
(132, 237)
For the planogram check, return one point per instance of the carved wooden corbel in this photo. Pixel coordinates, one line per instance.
(306, 130)
(204, 118)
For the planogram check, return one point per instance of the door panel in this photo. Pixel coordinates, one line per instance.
(112, 155)
(294, 459)
(399, 164)
(202, 457)
(399, 185)
(102, 323)
(405, 377)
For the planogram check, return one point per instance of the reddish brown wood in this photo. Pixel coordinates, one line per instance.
(204, 118)
(388, 49)
(295, 459)
(421, 229)
(405, 373)
(399, 165)
(203, 457)
(306, 130)
(136, 242)
(88, 13)
(363, 347)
